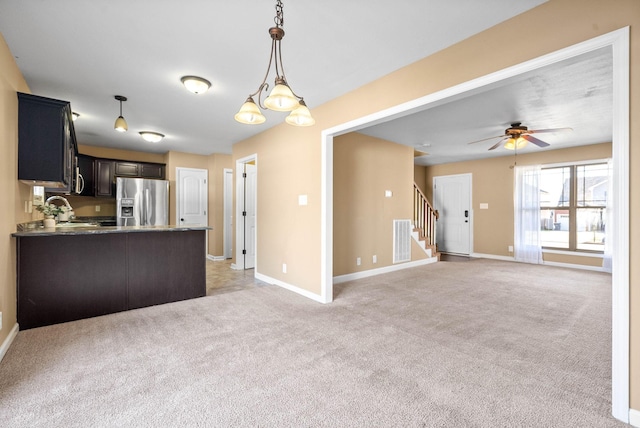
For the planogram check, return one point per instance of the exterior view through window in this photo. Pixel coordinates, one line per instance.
(573, 206)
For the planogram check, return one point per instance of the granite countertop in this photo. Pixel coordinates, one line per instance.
(97, 230)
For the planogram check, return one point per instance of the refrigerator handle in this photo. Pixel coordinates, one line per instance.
(147, 206)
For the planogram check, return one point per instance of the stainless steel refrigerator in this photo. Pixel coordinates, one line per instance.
(142, 202)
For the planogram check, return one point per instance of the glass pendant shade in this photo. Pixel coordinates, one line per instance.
(300, 116)
(250, 114)
(121, 124)
(513, 143)
(281, 98)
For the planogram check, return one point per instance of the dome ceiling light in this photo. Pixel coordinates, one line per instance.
(152, 137)
(196, 84)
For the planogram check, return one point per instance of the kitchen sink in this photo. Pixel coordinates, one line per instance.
(73, 224)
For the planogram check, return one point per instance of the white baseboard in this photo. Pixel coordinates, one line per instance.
(373, 272)
(216, 258)
(290, 287)
(556, 264)
(8, 341)
(634, 418)
(492, 256)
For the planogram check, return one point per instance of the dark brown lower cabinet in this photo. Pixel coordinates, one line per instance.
(69, 277)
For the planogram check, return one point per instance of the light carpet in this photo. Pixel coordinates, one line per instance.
(475, 344)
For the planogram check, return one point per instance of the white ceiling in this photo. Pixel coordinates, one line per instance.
(86, 52)
(576, 93)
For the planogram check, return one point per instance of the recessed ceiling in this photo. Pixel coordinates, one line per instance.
(86, 52)
(576, 93)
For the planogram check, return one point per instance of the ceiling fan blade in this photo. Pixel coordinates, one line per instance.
(539, 131)
(496, 145)
(485, 139)
(535, 141)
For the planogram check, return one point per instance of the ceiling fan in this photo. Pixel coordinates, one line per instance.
(517, 136)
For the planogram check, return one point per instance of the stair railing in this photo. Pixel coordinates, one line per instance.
(424, 216)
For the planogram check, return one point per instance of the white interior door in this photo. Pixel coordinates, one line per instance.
(191, 195)
(452, 199)
(246, 210)
(228, 214)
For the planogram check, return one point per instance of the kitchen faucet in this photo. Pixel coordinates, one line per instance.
(63, 199)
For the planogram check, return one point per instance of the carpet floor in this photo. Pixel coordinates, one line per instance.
(481, 343)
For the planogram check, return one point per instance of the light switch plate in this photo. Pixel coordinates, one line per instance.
(302, 200)
(388, 193)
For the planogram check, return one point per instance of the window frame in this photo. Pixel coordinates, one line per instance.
(573, 205)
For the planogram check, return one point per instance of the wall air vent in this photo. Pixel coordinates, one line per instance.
(401, 241)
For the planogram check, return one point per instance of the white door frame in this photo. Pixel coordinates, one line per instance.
(239, 264)
(227, 207)
(618, 40)
(470, 176)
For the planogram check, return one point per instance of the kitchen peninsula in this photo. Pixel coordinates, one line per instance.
(67, 274)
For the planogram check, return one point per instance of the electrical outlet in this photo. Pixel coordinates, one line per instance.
(284, 268)
(511, 248)
(358, 261)
(375, 259)
(0, 320)
(97, 208)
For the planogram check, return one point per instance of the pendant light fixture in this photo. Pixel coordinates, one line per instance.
(282, 98)
(121, 124)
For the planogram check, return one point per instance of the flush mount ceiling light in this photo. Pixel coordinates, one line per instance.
(74, 115)
(196, 84)
(121, 124)
(282, 98)
(152, 137)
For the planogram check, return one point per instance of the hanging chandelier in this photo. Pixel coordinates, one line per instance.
(282, 98)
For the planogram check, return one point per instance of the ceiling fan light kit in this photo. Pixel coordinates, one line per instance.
(518, 136)
(282, 97)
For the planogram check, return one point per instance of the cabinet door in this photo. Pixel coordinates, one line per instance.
(127, 169)
(152, 170)
(104, 178)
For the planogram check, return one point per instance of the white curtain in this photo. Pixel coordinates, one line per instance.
(527, 247)
(608, 223)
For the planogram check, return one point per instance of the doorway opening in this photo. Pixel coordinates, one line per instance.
(246, 212)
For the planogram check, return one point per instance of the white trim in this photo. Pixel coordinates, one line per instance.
(574, 253)
(492, 256)
(216, 258)
(227, 199)
(378, 271)
(8, 341)
(582, 162)
(619, 41)
(238, 213)
(269, 280)
(634, 418)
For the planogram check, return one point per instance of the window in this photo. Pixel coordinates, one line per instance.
(573, 203)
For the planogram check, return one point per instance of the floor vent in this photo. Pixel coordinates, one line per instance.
(401, 241)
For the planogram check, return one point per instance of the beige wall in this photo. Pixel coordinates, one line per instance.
(364, 168)
(217, 165)
(11, 81)
(492, 183)
(420, 177)
(289, 159)
(130, 155)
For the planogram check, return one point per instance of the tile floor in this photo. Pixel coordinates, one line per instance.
(222, 279)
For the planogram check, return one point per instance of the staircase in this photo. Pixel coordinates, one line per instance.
(424, 223)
